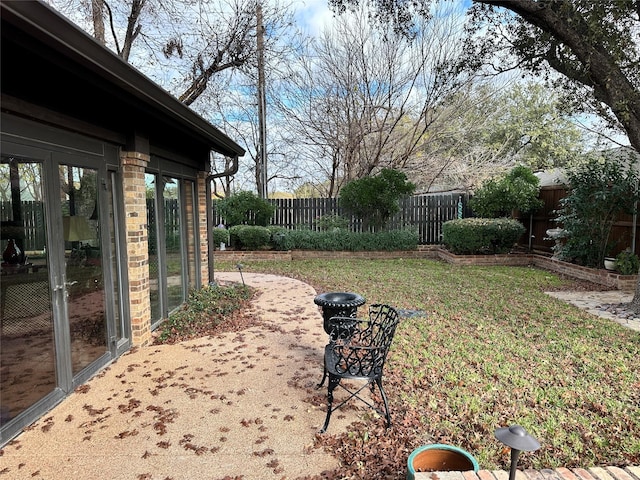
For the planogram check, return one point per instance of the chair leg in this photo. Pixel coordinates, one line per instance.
(324, 376)
(384, 399)
(333, 383)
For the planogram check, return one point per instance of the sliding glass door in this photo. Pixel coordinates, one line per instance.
(83, 267)
(172, 256)
(59, 323)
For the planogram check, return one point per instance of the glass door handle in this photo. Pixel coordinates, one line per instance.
(66, 284)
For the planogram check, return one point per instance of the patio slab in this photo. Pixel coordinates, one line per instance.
(238, 404)
(605, 304)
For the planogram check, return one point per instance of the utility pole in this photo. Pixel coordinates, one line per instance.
(261, 160)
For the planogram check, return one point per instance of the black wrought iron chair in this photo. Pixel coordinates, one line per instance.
(357, 350)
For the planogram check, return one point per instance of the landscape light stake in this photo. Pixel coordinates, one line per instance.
(517, 438)
(239, 265)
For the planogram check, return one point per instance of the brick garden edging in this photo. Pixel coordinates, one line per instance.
(593, 473)
(599, 276)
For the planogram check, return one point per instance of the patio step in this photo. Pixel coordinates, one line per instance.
(594, 473)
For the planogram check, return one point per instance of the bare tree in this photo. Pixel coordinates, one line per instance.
(233, 101)
(363, 98)
(97, 9)
(181, 44)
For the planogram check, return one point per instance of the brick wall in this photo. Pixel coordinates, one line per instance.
(137, 252)
(201, 197)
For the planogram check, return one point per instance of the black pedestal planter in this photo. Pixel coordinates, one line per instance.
(338, 304)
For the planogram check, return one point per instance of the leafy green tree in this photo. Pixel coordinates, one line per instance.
(600, 190)
(487, 128)
(593, 45)
(534, 129)
(516, 190)
(375, 199)
(245, 208)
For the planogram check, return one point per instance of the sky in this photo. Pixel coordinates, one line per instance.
(313, 15)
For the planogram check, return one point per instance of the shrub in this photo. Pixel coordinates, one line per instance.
(375, 199)
(600, 189)
(205, 309)
(332, 222)
(220, 235)
(253, 237)
(245, 208)
(627, 263)
(278, 237)
(481, 235)
(337, 240)
(234, 239)
(517, 190)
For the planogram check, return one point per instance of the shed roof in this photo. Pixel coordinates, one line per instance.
(50, 62)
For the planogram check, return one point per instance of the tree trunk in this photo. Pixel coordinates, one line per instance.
(97, 11)
(635, 302)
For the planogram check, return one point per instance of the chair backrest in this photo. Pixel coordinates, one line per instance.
(363, 353)
(383, 320)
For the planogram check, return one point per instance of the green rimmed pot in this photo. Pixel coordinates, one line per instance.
(440, 458)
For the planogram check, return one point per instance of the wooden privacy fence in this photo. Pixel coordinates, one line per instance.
(32, 231)
(425, 213)
(623, 234)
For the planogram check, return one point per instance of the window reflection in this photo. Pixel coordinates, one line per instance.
(189, 194)
(27, 350)
(173, 242)
(153, 248)
(83, 264)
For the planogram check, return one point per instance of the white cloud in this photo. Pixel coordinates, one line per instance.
(313, 15)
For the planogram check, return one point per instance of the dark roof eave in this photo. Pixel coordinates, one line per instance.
(73, 42)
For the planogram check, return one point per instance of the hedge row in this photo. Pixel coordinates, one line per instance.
(471, 236)
(248, 237)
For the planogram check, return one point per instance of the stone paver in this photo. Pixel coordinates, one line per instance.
(595, 302)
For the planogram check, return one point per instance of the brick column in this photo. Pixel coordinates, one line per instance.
(135, 205)
(203, 238)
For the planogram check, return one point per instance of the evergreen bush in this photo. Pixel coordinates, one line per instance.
(253, 237)
(470, 236)
(220, 235)
(332, 222)
(627, 263)
(337, 240)
(599, 191)
(375, 199)
(245, 208)
(517, 190)
(234, 239)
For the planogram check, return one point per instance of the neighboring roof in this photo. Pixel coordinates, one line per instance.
(558, 176)
(51, 60)
(552, 178)
(623, 155)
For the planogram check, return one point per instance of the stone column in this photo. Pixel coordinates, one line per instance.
(135, 205)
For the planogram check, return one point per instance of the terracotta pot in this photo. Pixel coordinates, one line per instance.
(440, 458)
